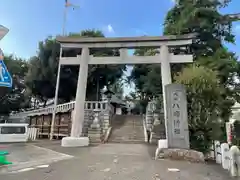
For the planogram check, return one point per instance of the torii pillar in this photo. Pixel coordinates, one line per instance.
(78, 114)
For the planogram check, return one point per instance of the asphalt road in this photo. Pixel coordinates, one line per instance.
(109, 162)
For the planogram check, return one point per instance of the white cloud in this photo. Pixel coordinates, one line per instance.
(110, 29)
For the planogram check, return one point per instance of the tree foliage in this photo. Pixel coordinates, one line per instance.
(14, 99)
(147, 78)
(204, 96)
(213, 30)
(117, 88)
(204, 18)
(211, 93)
(41, 78)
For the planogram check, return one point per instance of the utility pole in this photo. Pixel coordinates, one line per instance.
(64, 20)
(67, 5)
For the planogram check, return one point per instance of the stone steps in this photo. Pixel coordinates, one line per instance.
(127, 129)
(128, 141)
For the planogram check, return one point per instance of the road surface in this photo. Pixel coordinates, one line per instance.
(48, 161)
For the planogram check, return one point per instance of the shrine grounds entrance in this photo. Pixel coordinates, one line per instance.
(165, 58)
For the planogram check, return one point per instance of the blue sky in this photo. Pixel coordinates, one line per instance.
(30, 21)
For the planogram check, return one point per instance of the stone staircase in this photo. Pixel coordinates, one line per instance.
(127, 129)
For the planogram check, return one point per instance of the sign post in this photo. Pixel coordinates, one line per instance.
(5, 77)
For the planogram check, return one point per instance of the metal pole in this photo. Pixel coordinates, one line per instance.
(56, 96)
(64, 20)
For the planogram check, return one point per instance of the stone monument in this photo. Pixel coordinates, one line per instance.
(177, 117)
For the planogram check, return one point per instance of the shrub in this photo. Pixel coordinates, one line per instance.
(203, 96)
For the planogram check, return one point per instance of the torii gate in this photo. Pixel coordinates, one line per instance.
(123, 43)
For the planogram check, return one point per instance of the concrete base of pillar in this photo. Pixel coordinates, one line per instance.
(162, 144)
(75, 141)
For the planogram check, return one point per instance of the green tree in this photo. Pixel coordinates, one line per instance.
(213, 30)
(146, 77)
(204, 18)
(117, 88)
(41, 78)
(204, 96)
(14, 99)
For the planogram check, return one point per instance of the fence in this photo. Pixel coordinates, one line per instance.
(223, 156)
(32, 133)
(215, 152)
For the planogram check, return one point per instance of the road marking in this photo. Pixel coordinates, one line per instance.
(38, 162)
(173, 170)
(30, 169)
(23, 170)
(49, 150)
(43, 166)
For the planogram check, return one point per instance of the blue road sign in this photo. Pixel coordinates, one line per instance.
(5, 77)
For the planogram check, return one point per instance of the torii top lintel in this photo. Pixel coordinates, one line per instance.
(125, 42)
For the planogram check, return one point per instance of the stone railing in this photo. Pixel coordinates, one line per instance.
(89, 105)
(151, 107)
(111, 113)
(145, 129)
(149, 118)
(154, 122)
(100, 125)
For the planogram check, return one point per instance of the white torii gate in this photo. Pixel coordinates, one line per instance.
(164, 58)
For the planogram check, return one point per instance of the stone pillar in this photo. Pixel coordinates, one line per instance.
(166, 77)
(78, 115)
(95, 130)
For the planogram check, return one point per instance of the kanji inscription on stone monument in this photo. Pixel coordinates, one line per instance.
(177, 118)
(176, 114)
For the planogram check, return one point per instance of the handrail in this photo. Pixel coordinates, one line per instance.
(89, 105)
